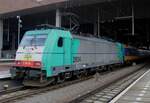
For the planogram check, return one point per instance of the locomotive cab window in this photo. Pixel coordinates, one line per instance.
(60, 42)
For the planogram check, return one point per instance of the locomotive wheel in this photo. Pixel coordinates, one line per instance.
(80, 74)
(55, 81)
(110, 68)
(61, 78)
(86, 73)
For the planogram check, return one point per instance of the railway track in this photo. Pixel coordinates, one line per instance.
(10, 90)
(11, 95)
(108, 92)
(21, 92)
(7, 85)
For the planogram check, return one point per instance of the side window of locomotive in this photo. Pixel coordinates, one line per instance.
(60, 42)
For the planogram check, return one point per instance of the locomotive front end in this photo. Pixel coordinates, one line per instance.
(29, 53)
(28, 61)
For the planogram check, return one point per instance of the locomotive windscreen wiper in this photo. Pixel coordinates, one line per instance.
(33, 41)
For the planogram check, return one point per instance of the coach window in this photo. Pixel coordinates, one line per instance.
(60, 42)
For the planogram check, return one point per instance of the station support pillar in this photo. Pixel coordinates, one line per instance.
(1, 37)
(95, 28)
(58, 18)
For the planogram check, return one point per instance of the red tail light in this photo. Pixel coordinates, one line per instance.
(32, 64)
(37, 64)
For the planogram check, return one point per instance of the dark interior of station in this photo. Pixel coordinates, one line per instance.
(125, 21)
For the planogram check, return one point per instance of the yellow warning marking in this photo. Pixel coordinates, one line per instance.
(28, 57)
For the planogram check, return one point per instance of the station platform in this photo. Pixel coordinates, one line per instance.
(5, 74)
(5, 66)
(137, 92)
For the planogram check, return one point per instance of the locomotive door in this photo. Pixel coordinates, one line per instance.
(67, 51)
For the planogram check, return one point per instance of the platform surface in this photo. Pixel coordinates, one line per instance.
(4, 69)
(137, 92)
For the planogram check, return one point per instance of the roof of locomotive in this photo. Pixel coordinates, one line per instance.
(47, 28)
(92, 38)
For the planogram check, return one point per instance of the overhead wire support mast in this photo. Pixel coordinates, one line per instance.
(19, 27)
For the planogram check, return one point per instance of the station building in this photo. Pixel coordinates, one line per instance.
(126, 21)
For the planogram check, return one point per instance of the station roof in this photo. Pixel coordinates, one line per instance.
(14, 7)
(10, 8)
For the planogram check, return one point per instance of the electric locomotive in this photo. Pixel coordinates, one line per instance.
(53, 54)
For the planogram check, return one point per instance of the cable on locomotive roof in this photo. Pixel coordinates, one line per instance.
(47, 26)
